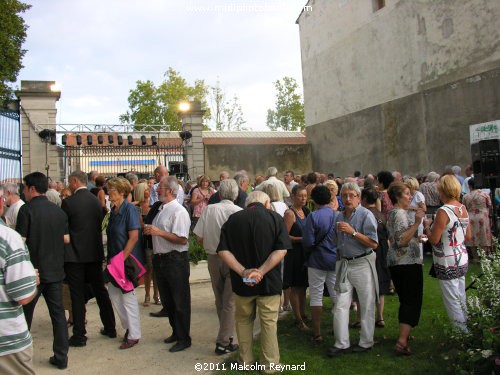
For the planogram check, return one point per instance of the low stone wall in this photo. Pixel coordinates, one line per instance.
(255, 159)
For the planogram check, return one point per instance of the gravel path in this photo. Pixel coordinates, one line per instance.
(151, 355)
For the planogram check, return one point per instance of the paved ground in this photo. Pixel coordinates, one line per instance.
(151, 355)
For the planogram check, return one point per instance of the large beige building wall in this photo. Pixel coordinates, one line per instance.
(354, 57)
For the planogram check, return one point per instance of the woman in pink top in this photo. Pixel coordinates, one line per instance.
(200, 197)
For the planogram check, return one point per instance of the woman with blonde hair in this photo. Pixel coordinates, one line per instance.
(447, 235)
(141, 196)
(123, 236)
(334, 191)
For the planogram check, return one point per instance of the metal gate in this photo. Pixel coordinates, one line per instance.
(10, 147)
(111, 160)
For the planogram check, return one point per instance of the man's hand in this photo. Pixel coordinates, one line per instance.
(342, 226)
(37, 277)
(254, 274)
(151, 230)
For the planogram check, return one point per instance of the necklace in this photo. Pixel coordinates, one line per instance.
(299, 212)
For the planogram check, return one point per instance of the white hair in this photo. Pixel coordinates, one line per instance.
(257, 196)
(228, 189)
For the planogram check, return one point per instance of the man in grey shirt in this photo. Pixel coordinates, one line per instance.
(356, 238)
(207, 231)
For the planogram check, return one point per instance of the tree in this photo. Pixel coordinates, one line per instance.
(289, 111)
(12, 36)
(158, 105)
(226, 113)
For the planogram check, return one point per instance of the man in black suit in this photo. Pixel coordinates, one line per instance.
(83, 261)
(44, 227)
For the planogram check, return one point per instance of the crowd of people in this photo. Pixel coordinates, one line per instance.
(354, 239)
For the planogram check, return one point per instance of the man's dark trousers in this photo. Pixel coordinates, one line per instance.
(172, 276)
(77, 276)
(52, 293)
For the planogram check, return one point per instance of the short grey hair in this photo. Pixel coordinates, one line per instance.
(271, 171)
(228, 189)
(132, 177)
(456, 169)
(257, 196)
(432, 176)
(171, 183)
(80, 176)
(239, 177)
(351, 186)
(11, 187)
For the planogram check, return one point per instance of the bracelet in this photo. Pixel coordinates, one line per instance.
(243, 272)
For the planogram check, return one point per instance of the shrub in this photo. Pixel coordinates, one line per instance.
(196, 251)
(480, 345)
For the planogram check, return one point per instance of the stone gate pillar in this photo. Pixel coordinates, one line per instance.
(38, 112)
(192, 126)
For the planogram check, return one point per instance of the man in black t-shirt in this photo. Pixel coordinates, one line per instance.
(252, 243)
(44, 227)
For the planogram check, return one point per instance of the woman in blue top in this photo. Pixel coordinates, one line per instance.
(123, 235)
(317, 238)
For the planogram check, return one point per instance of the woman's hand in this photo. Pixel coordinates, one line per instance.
(419, 214)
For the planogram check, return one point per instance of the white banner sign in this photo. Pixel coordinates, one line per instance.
(486, 130)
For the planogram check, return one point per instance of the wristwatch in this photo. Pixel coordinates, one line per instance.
(354, 234)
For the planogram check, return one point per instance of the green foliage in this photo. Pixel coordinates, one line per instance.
(226, 113)
(480, 344)
(196, 250)
(12, 36)
(158, 105)
(289, 111)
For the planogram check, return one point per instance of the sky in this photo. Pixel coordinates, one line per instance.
(96, 50)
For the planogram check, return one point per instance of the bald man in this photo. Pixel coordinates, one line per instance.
(160, 172)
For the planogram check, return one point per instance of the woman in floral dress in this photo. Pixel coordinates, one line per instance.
(478, 204)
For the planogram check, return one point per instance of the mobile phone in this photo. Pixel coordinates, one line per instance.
(250, 281)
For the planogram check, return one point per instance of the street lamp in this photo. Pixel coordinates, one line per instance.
(184, 106)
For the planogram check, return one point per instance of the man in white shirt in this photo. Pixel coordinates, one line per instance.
(170, 231)
(14, 203)
(272, 174)
(207, 231)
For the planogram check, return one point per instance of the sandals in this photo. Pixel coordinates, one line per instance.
(400, 349)
(380, 323)
(317, 339)
(147, 301)
(355, 325)
(306, 319)
(301, 326)
(157, 300)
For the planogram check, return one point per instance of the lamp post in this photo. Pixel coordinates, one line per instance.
(191, 115)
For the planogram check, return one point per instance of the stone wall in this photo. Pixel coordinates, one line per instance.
(398, 87)
(255, 159)
(414, 134)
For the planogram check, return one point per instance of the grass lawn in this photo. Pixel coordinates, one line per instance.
(431, 345)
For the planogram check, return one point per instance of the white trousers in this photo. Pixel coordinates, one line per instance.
(359, 276)
(454, 301)
(317, 280)
(127, 308)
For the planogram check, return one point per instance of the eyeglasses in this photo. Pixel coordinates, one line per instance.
(350, 196)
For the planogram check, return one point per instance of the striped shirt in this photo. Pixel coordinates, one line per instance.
(17, 282)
